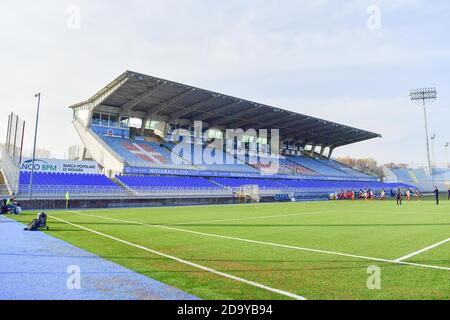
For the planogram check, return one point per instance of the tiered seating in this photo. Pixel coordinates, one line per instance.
(402, 175)
(297, 168)
(200, 157)
(145, 154)
(155, 185)
(424, 182)
(442, 176)
(441, 171)
(303, 196)
(266, 165)
(283, 197)
(203, 158)
(60, 183)
(317, 166)
(342, 167)
(238, 182)
(167, 182)
(332, 186)
(418, 175)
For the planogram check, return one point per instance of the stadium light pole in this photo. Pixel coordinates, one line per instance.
(433, 153)
(424, 97)
(38, 96)
(446, 145)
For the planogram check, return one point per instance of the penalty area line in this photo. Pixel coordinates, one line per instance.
(250, 218)
(266, 243)
(415, 253)
(186, 262)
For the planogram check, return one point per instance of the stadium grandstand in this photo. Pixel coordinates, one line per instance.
(419, 177)
(154, 138)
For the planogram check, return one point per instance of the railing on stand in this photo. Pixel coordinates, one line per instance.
(10, 168)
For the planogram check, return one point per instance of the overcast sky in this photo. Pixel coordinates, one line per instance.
(327, 58)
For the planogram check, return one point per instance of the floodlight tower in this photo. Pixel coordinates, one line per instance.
(433, 153)
(424, 98)
(38, 96)
(446, 145)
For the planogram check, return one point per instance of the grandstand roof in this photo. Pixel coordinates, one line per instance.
(134, 92)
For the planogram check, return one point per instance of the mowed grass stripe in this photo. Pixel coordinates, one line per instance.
(250, 218)
(315, 276)
(189, 263)
(375, 229)
(266, 243)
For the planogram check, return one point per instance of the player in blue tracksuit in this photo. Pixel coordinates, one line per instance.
(436, 194)
(399, 197)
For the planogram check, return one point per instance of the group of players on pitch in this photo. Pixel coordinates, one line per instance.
(408, 193)
(369, 194)
(399, 195)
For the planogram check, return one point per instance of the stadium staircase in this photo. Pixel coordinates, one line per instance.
(389, 175)
(127, 189)
(318, 166)
(413, 176)
(346, 168)
(170, 146)
(222, 185)
(99, 149)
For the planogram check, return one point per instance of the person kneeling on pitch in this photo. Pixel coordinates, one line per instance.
(39, 223)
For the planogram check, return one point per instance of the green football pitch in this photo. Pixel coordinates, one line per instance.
(320, 250)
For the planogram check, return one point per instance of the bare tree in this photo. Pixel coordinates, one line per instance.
(366, 165)
(393, 165)
(40, 153)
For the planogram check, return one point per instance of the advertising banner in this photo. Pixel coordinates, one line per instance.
(60, 166)
(199, 173)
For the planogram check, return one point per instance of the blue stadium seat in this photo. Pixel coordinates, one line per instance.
(145, 154)
(60, 183)
(318, 166)
(157, 185)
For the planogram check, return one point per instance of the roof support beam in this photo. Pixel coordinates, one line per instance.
(188, 109)
(100, 98)
(348, 134)
(334, 130)
(294, 127)
(309, 137)
(297, 123)
(257, 121)
(334, 140)
(127, 107)
(231, 118)
(158, 108)
(218, 110)
(322, 131)
(267, 124)
(287, 128)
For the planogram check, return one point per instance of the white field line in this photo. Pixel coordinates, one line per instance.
(200, 206)
(422, 250)
(249, 218)
(266, 243)
(195, 265)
